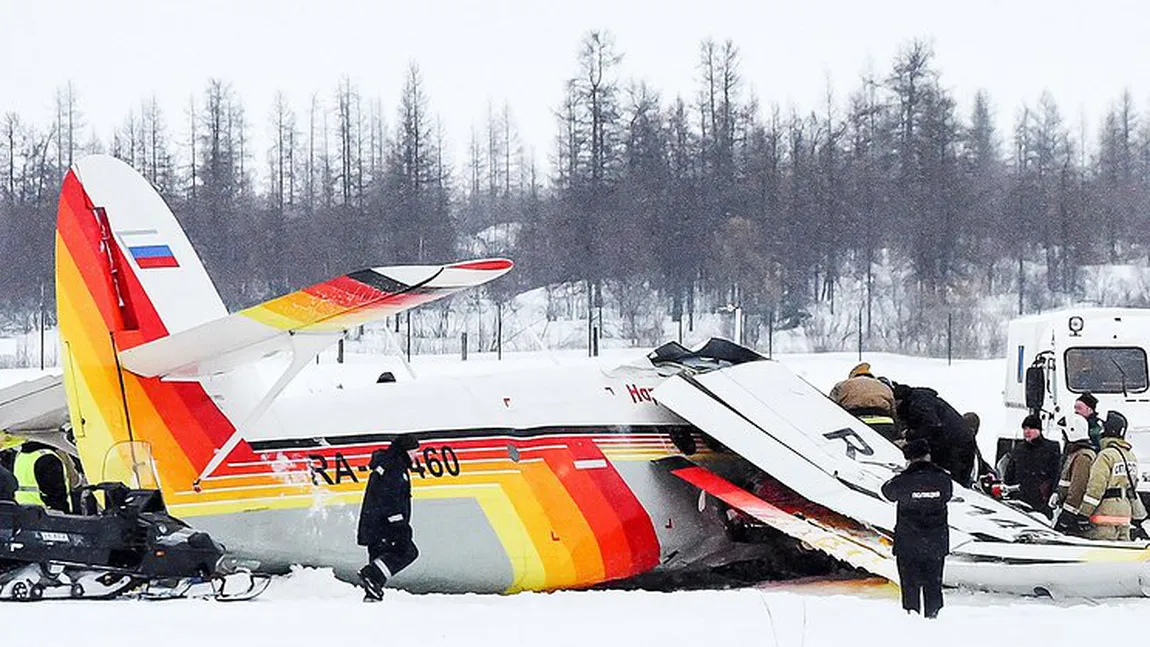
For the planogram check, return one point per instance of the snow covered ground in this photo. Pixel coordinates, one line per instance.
(312, 608)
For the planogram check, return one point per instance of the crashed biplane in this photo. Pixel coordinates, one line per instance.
(542, 479)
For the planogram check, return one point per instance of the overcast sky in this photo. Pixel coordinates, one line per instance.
(119, 52)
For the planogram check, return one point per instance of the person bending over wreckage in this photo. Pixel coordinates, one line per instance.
(385, 518)
(928, 417)
(869, 399)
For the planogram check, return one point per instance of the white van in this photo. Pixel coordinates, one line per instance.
(1053, 357)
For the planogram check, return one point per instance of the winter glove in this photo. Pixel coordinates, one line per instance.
(1141, 530)
(1072, 523)
(987, 483)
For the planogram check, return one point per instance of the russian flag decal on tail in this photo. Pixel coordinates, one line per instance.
(148, 256)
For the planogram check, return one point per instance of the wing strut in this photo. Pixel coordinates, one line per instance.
(304, 348)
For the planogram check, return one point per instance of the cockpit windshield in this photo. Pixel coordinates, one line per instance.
(1114, 369)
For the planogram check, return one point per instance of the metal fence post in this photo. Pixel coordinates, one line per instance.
(949, 330)
(860, 334)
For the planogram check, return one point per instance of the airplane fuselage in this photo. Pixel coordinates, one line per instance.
(535, 481)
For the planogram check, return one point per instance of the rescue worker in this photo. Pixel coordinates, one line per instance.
(1078, 457)
(1034, 466)
(1087, 406)
(42, 476)
(385, 518)
(921, 533)
(868, 399)
(1111, 501)
(925, 415)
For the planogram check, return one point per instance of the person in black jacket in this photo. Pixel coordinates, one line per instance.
(929, 417)
(1034, 466)
(8, 485)
(921, 532)
(982, 469)
(385, 518)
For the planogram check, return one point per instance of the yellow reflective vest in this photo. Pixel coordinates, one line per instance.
(25, 470)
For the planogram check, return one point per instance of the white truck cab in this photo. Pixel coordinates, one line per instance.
(1053, 357)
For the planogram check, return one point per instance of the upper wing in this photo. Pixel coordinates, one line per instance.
(790, 430)
(325, 308)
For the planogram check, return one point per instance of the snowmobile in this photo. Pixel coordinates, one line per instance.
(128, 546)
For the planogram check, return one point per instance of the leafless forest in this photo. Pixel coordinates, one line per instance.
(696, 199)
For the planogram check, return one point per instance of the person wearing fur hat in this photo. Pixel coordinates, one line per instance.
(921, 532)
(1079, 457)
(1087, 406)
(1111, 500)
(868, 399)
(385, 517)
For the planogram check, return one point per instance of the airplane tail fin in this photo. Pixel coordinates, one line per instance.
(127, 275)
(161, 382)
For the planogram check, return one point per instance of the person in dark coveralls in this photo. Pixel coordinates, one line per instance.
(982, 469)
(385, 518)
(921, 532)
(1034, 466)
(8, 485)
(927, 416)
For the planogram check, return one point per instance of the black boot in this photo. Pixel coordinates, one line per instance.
(373, 580)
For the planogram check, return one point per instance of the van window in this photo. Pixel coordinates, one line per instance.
(1106, 369)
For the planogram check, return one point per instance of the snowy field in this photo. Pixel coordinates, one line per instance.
(312, 608)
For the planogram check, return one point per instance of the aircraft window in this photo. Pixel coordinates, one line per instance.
(1106, 369)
